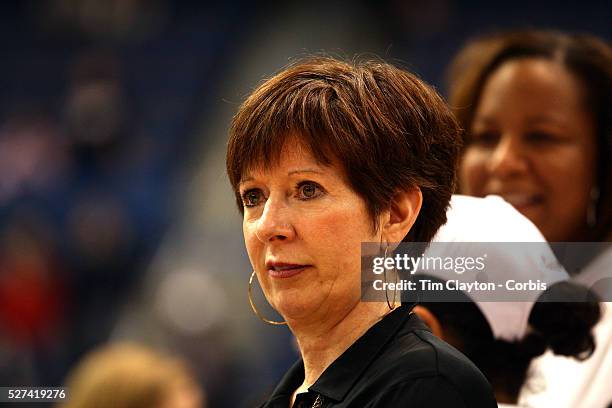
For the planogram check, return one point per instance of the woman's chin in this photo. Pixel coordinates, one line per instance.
(294, 306)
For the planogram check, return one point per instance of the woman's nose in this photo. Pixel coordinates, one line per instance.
(275, 222)
(508, 159)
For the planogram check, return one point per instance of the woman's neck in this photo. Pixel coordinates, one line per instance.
(323, 342)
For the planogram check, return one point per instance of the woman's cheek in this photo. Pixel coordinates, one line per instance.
(250, 241)
(472, 172)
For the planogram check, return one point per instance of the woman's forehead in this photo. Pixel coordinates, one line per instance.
(289, 168)
(293, 156)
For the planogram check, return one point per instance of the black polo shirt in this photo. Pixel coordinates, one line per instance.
(396, 363)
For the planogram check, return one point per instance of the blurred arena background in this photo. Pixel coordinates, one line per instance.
(116, 219)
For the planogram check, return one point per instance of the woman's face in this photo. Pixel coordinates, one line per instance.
(534, 144)
(303, 227)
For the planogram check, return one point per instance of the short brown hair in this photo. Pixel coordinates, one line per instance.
(388, 129)
(586, 57)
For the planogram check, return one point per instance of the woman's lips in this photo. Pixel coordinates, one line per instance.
(285, 270)
(522, 201)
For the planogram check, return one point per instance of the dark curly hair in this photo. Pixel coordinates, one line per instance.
(562, 320)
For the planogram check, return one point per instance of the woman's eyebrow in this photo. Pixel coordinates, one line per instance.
(292, 172)
(545, 119)
(244, 180)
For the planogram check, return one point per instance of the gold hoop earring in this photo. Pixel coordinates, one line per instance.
(385, 276)
(250, 296)
(592, 207)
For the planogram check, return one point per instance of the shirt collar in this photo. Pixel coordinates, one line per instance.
(337, 380)
(290, 382)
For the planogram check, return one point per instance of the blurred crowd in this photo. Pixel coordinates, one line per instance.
(96, 114)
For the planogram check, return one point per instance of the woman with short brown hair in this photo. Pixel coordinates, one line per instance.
(322, 157)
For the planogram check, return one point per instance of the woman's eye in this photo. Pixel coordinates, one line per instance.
(252, 198)
(308, 190)
(540, 137)
(484, 138)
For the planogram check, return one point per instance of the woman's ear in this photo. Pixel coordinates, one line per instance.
(403, 212)
(430, 320)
